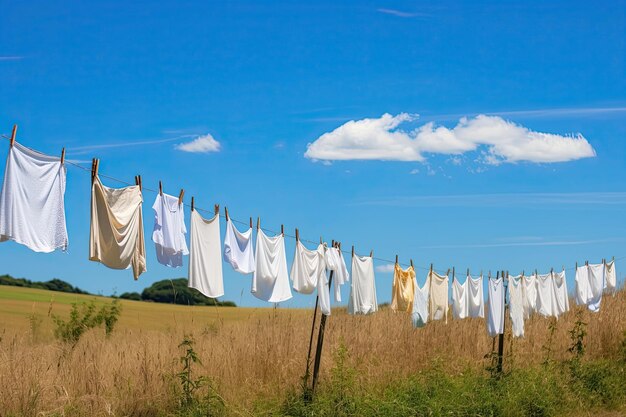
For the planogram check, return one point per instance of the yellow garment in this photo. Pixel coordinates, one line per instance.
(403, 290)
(116, 233)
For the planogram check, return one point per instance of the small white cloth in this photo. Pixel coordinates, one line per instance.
(467, 298)
(419, 315)
(238, 251)
(561, 298)
(270, 281)
(438, 292)
(610, 277)
(169, 231)
(495, 315)
(308, 273)
(32, 207)
(590, 281)
(516, 305)
(529, 285)
(335, 262)
(545, 295)
(582, 292)
(116, 233)
(363, 290)
(205, 261)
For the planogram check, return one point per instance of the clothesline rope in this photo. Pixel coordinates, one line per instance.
(388, 261)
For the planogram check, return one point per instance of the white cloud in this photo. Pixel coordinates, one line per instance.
(499, 140)
(400, 13)
(385, 269)
(201, 144)
(414, 171)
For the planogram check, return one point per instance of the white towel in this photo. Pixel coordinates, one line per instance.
(205, 261)
(516, 305)
(530, 294)
(32, 207)
(169, 231)
(419, 315)
(610, 277)
(495, 317)
(308, 273)
(545, 295)
(561, 297)
(467, 298)
(335, 262)
(270, 281)
(238, 251)
(363, 290)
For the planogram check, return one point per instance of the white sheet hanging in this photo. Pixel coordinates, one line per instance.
(419, 315)
(363, 290)
(529, 285)
(596, 286)
(459, 300)
(582, 292)
(205, 261)
(270, 281)
(32, 207)
(545, 295)
(169, 231)
(495, 316)
(116, 234)
(438, 291)
(335, 262)
(561, 297)
(308, 268)
(238, 251)
(467, 298)
(610, 277)
(516, 305)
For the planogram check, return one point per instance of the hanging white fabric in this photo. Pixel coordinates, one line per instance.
(238, 251)
(116, 233)
(529, 286)
(610, 276)
(419, 315)
(545, 295)
(495, 316)
(438, 296)
(205, 261)
(32, 206)
(270, 281)
(516, 305)
(596, 286)
(169, 231)
(582, 292)
(335, 262)
(459, 300)
(467, 298)
(363, 290)
(308, 273)
(561, 298)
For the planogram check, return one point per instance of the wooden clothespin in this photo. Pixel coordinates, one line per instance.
(396, 259)
(497, 274)
(297, 235)
(180, 197)
(468, 272)
(431, 269)
(372, 253)
(282, 229)
(412, 264)
(576, 266)
(448, 272)
(453, 274)
(332, 243)
(353, 251)
(250, 222)
(321, 240)
(258, 223)
(12, 141)
(216, 209)
(94, 169)
(62, 156)
(192, 203)
(586, 263)
(226, 212)
(160, 188)
(489, 275)
(138, 181)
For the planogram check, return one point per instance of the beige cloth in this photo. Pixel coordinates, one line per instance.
(438, 296)
(116, 234)
(403, 289)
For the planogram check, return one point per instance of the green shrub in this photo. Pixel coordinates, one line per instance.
(85, 316)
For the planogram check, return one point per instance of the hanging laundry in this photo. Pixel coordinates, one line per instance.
(516, 305)
(590, 282)
(403, 289)
(205, 261)
(270, 281)
(238, 251)
(169, 231)
(308, 273)
(32, 207)
(529, 286)
(561, 298)
(610, 277)
(467, 298)
(438, 292)
(545, 295)
(419, 314)
(116, 234)
(335, 262)
(363, 290)
(495, 314)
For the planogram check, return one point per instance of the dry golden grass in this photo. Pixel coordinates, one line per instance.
(257, 355)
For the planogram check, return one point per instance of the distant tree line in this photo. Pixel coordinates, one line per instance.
(174, 291)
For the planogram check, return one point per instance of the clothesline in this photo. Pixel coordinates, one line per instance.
(387, 261)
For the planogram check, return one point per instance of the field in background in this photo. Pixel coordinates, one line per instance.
(255, 358)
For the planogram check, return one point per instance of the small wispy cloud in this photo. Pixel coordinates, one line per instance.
(385, 269)
(522, 243)
(201, 144)
(400, 13)
(78, 150)
(11, 57)
(555, 112)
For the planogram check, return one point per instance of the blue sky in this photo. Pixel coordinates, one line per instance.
(129, 82)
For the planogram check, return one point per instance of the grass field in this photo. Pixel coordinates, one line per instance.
(254, 359)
